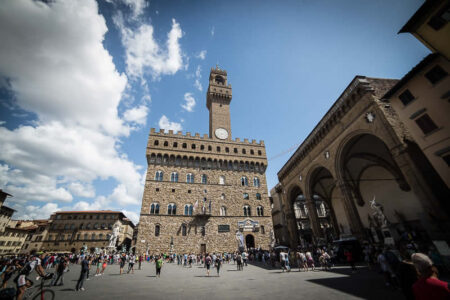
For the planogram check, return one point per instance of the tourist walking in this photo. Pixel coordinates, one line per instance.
(123, 258)
(239, 262)
(141, 258)
(208, 260)
(131, 261)
(351, 261)
(84, 271)
(60, 271)
(159, 263)
(218, 264)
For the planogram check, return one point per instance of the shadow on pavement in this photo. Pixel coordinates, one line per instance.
(206, 276)
(67, 290)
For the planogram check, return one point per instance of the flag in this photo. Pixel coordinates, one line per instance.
(196, 205)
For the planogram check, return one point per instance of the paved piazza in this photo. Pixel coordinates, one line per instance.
(254, 282)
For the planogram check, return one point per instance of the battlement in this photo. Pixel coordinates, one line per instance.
(197, 136)
(216, 70)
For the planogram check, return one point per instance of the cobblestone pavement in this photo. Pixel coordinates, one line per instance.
(254, 282)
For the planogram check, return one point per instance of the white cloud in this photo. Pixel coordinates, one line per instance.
(134, 217)
(190, 102)
(2, 123)
(137, 115)
(144, 54)
(201, 55)
(57, 70)
(32, 212)
(137, 6)
(63, 74)
(82, 190)
(164, 123)
(198, 76)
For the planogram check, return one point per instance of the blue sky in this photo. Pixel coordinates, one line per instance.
(82, 82)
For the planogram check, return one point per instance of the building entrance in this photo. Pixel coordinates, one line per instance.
(203, 248)
(250, 241)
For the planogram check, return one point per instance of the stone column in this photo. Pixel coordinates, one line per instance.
(434, 218)
(350, 209)
(290, 219)
(312, 214)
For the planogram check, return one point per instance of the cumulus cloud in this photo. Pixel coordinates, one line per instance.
(57, 70)
(64, 76)
(201, 55)
(164, 123)
(32, 212)
(137, 115)
(143, 53)
(189, 102)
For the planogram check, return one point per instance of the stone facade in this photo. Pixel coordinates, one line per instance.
(215, 175)
(70, 231)
(359, 151)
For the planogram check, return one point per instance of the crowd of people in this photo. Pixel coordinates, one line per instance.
(415, 273)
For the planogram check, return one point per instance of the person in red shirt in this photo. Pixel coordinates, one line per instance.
(428, 286)
(350, 260)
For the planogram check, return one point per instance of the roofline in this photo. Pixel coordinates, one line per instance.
(88, 212)
(427, 60)
(419, 15)
(319, 124)
(7, 208)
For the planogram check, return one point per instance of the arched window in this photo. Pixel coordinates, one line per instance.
(259, 152)
(202, 147)
(227, 150)
(218, 149)
(244, 181)
(81, 226)
(108, 236)
(256, 182)
(184, 145)
(72, 226)
(260, 211)
(174, 177)
(188, 209)
(243, 151)
(100, 236)
(156, 143)
(96, 226)
(175, 144)
(171, 209)
(193, 146)
(154, 209)
(209, 148)
(93, 236)
(86, 236)
(235, 150)
(223, 211)
(157, 229)
(190, 178)
(252, 152)
(245, 196)
(183, 230)
(222, 180)
(109, 226)
(258, 196)
(204, 179)
(88, 226)
(166, 144)
(159, 175)
(247, 211)
(66, 227)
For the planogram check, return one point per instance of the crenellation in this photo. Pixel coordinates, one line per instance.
(214, 170)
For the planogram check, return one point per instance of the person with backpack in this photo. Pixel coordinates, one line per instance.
(239, 262)
(60, 271)
(208, 260)
(22, 282)
(83, 274)
(218, 264)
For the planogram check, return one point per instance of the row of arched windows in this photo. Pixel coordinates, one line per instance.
(210, 148)
(190, 178)
(189, 210)
(86, 236)
(206, 164)
(86, 226)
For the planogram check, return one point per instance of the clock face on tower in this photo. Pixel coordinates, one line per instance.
(221, 133)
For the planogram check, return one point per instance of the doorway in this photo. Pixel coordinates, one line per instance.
(250, 241)
(203, 249)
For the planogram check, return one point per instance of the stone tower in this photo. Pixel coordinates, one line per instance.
(202, 191)
(218, 100)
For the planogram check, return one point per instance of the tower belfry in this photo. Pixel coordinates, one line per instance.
(218, 98)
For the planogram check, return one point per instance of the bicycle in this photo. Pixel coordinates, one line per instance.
(38, 292)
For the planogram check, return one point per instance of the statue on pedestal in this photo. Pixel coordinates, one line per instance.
(379, 215)
(114, 236)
